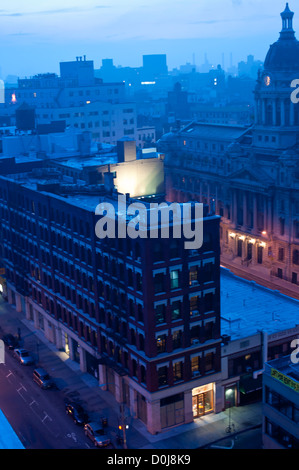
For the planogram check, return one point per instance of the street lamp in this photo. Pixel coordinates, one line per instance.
(228, 393)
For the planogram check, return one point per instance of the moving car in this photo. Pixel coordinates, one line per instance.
(24, 357)
(96, 433)
(76, 412)
(42, 378)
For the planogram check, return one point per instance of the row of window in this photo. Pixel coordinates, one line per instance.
(197, 305)
(295, 256)
(176, 340)
(178, 371)
(175, 280)
(282, 404)
(199, 366)
(284, 438)
(203, 145)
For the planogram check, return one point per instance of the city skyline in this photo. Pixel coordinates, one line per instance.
(183, 31)
(149, 238)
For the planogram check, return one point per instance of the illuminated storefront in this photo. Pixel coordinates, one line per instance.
(203, 400)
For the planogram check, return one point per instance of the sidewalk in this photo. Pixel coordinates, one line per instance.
(72, 382)
(208, 429)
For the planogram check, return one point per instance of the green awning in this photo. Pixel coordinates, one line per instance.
(248, 384)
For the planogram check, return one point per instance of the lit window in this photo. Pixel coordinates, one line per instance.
(174, 279)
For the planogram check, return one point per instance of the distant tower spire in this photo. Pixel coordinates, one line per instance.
(287, 31)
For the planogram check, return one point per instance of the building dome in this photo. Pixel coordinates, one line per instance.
(283, 55)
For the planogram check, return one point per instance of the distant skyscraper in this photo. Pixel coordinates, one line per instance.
(81, 69)
(154, 65)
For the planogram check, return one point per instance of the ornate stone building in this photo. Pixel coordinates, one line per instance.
(250, 175)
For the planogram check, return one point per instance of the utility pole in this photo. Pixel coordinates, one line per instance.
(122, 411)
(122, 426)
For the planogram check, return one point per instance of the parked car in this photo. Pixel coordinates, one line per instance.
(96, 433)
(24, 357)
(42, 378)
(10, 341)
(76, 412)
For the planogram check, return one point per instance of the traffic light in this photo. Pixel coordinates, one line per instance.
(120, 427)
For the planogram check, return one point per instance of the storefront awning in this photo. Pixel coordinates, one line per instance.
(248, 384)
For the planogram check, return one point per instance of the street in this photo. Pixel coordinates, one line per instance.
(37, 416)
(251, 439)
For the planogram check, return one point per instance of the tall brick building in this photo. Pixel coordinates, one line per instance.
(141, 315)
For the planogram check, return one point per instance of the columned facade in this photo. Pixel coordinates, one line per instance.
(250, 176)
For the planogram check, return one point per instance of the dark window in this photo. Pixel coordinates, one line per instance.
(296, 257)
(161, 343)
(160, 311)
(280, 254)
(162, 376)
(177, 371)
(177, 339)
(209, 362)
(176, 310)
(159, 283)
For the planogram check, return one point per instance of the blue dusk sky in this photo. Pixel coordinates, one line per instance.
(37, 35)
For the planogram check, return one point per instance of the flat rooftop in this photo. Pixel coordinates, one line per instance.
(211, 131)
(247, 308)
(79, 162)
(281, 367)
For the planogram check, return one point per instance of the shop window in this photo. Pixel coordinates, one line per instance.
(172, 410)
(202, 400)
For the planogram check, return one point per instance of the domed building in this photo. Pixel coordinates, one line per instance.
(250, 175)
(274, 108)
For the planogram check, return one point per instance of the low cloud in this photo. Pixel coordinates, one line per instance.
(51, 12)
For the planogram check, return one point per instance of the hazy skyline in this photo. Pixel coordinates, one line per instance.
(37, 36)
